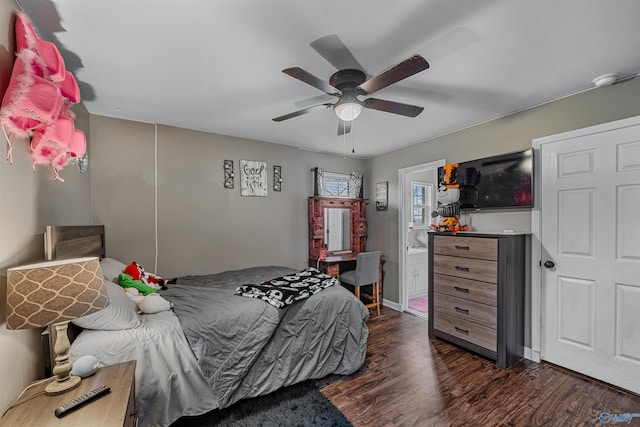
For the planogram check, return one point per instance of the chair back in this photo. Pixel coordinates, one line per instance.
(367, 266)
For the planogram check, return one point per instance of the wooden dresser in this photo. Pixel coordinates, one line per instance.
(476, 293)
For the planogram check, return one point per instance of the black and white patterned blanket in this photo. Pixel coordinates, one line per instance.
(285, 290)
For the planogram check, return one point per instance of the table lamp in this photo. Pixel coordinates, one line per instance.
(53, 293)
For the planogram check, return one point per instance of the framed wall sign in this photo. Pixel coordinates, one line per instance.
(228, 174)
(253, 178)
(382, 196)
(277, 178)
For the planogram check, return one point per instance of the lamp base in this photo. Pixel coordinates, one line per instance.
(59, 387)
(62, 369)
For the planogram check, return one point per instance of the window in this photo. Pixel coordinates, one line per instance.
(336, 184)
(421, 195)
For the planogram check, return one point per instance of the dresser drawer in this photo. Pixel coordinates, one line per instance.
(468, 268)
(466, 330)
(470, 247)
(483, 292)
(486, 315)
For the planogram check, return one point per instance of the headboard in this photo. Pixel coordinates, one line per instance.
(74, 241)
(65, 242)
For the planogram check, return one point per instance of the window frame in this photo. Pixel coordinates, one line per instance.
(340, 178)
(428, 206)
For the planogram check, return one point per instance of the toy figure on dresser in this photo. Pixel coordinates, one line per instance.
(448, 201)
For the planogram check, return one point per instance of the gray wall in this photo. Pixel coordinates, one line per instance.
(202, 227)
(30, 200)
(507, 134)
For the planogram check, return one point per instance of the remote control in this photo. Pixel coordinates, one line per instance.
(81, 400)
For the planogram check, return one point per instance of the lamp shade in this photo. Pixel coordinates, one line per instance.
(52, 292)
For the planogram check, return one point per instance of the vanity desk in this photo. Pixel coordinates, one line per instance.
(339, 225)
(334, 264)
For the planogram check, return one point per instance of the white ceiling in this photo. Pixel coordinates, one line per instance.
(215, 65)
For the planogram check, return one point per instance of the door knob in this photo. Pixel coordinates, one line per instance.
(549, 264)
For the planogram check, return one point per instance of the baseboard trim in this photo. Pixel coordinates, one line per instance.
(532, 355)
(392, 305)
(529, 354)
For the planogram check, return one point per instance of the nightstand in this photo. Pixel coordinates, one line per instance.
(117, 408)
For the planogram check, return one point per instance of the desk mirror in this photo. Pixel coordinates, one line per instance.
(337, 233)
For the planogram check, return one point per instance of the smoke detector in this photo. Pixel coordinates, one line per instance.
(605, 79)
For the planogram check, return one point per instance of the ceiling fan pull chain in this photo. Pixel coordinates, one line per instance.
(353, 140)
(344, 135)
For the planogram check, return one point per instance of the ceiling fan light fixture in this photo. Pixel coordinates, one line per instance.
(347, 111)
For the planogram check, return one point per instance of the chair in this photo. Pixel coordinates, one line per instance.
(366, 273)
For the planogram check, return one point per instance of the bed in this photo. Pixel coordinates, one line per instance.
(213, 347)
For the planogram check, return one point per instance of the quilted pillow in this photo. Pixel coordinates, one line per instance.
(119, 314)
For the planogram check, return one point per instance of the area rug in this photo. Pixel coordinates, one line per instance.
(299, 405)
(419, 304)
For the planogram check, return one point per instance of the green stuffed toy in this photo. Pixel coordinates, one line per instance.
(127, 281)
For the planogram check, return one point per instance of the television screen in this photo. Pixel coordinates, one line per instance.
(498, 182)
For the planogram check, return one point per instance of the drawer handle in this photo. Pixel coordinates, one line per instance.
(462, 248)
(464, 331)
(459, 289)
(462, 310)
(461, 268)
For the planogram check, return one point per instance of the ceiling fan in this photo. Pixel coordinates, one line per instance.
(350, 83)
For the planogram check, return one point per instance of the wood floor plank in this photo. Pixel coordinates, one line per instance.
(408, 380)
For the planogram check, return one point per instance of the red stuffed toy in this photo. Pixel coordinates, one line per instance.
(136, 271)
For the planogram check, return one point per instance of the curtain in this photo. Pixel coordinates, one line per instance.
(355, 184)
(318, 184)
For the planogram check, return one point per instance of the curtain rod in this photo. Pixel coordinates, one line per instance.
(346, 173)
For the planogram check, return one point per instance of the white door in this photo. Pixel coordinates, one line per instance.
(590, 232)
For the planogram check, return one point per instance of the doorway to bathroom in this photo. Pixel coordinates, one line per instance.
(416, 192)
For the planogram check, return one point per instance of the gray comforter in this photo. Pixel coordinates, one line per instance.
(246, 347)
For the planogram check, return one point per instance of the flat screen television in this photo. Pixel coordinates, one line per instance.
(498, 182)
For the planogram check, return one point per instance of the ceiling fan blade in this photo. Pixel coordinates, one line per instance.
(301, 112)
(310, 79)
(314, 100)
(406, 68)
(343, 127)
(336, 53)
(392, 107)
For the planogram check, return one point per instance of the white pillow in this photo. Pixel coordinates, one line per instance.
(111, 269)
(153, 303)
(119, 314)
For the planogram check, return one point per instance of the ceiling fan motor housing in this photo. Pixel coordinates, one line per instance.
(347, 79)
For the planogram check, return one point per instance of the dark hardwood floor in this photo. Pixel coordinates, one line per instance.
(408, 380)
